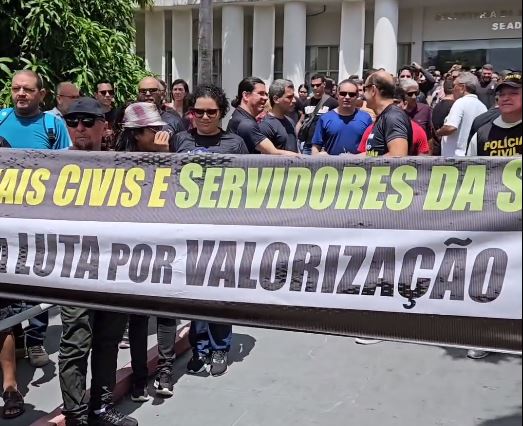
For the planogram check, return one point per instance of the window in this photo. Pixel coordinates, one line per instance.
(404, 54)
(216, 67)
(323, 60)
(502, 53)
(278, 63)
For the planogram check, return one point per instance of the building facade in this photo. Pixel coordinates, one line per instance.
(293, 39)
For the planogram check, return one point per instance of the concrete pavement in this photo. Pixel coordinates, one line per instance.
(286, 379)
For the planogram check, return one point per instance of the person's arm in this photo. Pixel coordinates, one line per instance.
(452, 122)
(446, 130)
(63, 140)
(430, 80)
(398, 147)
(319, 137)
(267, 147)
(472, 150)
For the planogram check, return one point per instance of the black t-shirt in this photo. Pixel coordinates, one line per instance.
(222, 143)
(481, 120)
(487, 94)
(309, 108)
(392, 123)
(174, 121)
(245, 126)
(495, 141)
(280, 132)
(440, 112)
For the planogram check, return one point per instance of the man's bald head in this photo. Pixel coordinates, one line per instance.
(149, 91)
(383, 82)
(66, 94)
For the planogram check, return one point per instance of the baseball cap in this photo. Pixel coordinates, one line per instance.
(142, 114)
(511, 80)
(87, 106)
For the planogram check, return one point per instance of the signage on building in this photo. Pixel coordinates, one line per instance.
(501, 26)
(475, 15)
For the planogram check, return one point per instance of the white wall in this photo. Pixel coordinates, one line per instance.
(324, 29)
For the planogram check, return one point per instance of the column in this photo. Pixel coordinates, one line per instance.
(155, 42)
(294, 42)
(182, 45)
(263, 43)
(386, 35)
(352, 39)
(417, 34)
(232, 48)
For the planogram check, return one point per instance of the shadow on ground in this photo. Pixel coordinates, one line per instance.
(493, 358)
(512, 420)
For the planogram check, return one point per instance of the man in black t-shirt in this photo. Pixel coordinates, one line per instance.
(249, 103)
(276, 126)
(320, 103)
(392, 134)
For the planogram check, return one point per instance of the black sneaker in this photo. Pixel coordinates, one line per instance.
(219, 363)
(111, 417)
(164, 384)
(198, 364)
(139, 394)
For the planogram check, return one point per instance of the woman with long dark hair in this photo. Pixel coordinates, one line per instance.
(179, 97)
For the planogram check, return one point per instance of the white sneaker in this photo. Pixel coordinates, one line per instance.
(366, 342)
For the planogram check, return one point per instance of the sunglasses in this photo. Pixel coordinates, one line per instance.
(405, 76)
(106, 92)
(199, 113)
(148, 91)
(87, 122)
(317, 85)
(349, 94)
(412, 94)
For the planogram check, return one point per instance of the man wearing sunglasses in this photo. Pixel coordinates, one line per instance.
(150, 90)
(86, 331)
(340, 131)
(418, 112)
(66, 94)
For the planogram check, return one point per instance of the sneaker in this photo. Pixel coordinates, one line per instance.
(477, 354)
(366, 342)
(164, 384)
(38, 356)
(111, 417)
(219, 363)
(125, 343)
(198, 364)
(139, 394)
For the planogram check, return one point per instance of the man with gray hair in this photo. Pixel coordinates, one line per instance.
(276, 125)
(66, 94)
(455, 132)
(418, 112)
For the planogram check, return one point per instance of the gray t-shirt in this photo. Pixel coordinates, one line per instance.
(222, 143)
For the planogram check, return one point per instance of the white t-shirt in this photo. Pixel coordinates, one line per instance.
(473, 148)
(461, 116)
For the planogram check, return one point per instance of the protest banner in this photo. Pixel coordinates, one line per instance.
(416, 249)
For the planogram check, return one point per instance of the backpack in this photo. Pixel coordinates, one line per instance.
(49, 123)
(309, 125)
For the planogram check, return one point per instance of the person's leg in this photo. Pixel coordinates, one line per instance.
(8, 361)
(167, 353)
(138, 333)
(75, 345)
(34, 339)
(220, 336)
(201, 347)
(108, 328)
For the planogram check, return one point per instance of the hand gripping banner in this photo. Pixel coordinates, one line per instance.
(419, 249)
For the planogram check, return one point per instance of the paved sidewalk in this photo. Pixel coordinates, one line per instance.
(293, 379)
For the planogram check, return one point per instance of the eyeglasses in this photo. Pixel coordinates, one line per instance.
(87, 122)
(70, 97)
(349, 94)
(106, 92)
(148, 91)
(404, 76)
(199, 113)
(412, 94)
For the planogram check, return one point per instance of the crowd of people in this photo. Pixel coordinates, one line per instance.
(416, 112)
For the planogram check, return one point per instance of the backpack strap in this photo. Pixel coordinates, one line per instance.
(4, 114)
(50, 127)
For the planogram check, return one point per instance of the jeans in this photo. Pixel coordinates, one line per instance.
(206, 337)
(36, 330)
(138, 333)
(87, 331)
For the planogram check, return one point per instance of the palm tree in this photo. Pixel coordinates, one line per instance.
(205, 42)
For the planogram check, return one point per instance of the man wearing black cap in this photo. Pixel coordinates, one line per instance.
(502, 136)
(87, 331)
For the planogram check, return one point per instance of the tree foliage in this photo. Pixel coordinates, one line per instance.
(76, 40)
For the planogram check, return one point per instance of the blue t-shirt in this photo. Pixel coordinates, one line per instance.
(339, 134)
(30, 132)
